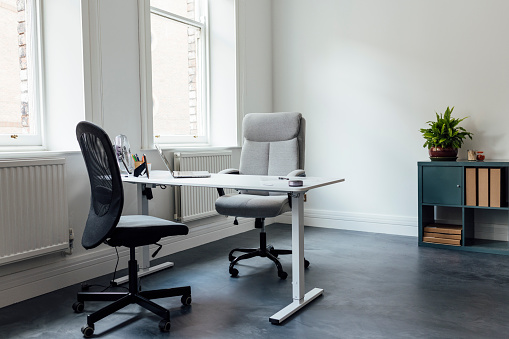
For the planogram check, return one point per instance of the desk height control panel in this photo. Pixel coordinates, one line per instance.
(469, 187)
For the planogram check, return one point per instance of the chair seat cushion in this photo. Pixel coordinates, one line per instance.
(141, 230)
(252, 206)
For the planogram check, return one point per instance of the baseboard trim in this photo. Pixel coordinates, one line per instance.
(375, 223)
(71, 270)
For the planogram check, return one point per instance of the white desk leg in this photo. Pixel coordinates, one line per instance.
(300, 298)
(145, 268)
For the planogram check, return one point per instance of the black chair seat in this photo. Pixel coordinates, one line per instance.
(141, 230)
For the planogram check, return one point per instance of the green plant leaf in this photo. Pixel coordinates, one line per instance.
(445, 132)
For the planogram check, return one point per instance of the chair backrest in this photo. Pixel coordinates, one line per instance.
(107, 194)
(274, 143)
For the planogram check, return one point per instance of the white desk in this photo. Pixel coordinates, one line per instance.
(247, 182)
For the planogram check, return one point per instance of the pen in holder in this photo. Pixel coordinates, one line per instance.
(140, 168)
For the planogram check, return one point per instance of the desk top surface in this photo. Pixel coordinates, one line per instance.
(245, 182)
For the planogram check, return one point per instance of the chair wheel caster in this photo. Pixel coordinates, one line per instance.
(282, 275)
(164, 325)
(87, 331)
(186, 300)
(234, 272)
(270, 249)
(306, 263)
(78, 307)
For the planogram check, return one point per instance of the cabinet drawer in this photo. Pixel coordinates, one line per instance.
(442, 185)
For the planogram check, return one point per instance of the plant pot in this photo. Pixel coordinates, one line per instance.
(443, 154)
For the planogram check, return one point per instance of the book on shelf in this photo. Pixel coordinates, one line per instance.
(495, 187)
(471, 186)
(443, 228)
(455, 242)
(442, 235)
(483, 187)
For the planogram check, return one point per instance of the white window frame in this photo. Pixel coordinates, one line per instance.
(148, 138)
(9, 142)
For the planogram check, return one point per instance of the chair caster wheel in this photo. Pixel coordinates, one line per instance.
(306, 263)
(186, 300)
(164, 325)
(87, 331)
(234, 272)
(270, 249)
(78, 307)
(282, 275)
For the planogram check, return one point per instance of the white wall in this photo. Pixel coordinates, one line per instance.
(367, 75)
(256, 39)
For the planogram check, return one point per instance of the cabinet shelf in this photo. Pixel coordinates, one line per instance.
(487, 208)
(492, 245)
(468, 206)
(480, 246)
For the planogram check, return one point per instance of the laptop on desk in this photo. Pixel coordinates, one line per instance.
(181, 174)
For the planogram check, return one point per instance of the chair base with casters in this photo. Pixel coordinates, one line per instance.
(264, 251)
(134, 296)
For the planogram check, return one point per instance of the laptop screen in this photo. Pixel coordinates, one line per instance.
(166, 162)
(181, 174)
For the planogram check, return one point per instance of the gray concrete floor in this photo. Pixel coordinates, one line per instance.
(376, 286)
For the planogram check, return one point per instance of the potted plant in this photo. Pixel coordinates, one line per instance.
(444, 137)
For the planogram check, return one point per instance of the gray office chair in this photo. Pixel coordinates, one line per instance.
(105, 224)
(273, 145)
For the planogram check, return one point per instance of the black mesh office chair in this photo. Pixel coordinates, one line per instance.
(105, 224)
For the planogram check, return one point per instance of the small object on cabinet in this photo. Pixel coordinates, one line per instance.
(480, 156)
(471, 155)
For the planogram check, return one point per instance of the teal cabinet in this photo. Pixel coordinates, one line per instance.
(442, 185)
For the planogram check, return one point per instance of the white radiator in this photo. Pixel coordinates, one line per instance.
(33, 208)
(192, 203)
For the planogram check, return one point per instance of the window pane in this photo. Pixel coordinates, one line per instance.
(14, 75)
(176, 78)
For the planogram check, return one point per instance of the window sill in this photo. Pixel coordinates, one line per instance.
(11, 152)
(21, 149)
(192, 148)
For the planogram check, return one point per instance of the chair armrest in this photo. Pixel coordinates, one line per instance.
(229, 171)
(220, 190)
(297, 173)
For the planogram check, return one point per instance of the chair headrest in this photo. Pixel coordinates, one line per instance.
(268, 127)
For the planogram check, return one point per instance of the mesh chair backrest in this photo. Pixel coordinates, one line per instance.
(107, 194)
(273, 143)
